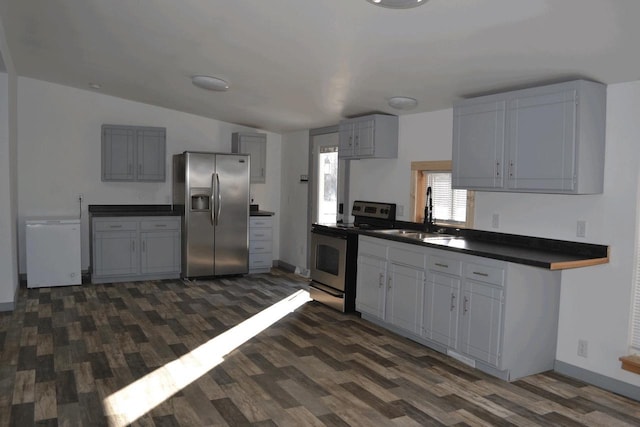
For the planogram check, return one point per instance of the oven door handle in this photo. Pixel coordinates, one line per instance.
(326, 289)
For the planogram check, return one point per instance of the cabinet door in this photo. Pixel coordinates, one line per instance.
(542, 142)
(256, 147)
(440, 308)
(370, 291)
(150, 150)
(160, 252)
(346, 136)
(118, 154)
(478, 145)
(364, 138)
(481, 320)
(404, 295)
(115, 253)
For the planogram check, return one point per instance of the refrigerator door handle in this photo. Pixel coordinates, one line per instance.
(219, 198)
(212, 209)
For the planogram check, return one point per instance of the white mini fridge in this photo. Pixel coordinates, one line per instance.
(53, 252)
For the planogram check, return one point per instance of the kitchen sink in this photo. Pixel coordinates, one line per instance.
(418, 235)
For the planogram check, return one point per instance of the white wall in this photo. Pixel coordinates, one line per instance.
(59, 153)
(595, 301)
(294, 199)
(8, 179)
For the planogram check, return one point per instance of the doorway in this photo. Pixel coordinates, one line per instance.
(328, 179)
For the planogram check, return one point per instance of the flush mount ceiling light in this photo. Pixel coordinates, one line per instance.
(210, 83)
(402, 103)
(398, 4)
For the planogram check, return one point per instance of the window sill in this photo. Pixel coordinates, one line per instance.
(631, 363)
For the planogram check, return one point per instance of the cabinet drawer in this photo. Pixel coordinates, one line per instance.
(445, 265)
(260, 246)
(260, 261)
(159, 224)
(403, 256)
(115, 225)
(260, 222)
(372, 248)
(260, 234)
(484, 273)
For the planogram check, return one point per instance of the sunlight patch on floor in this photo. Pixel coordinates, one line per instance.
(133, 401)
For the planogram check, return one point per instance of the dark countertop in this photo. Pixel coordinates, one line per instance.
(148, 210)
(261, 213)
(535, 251)
(133, 210)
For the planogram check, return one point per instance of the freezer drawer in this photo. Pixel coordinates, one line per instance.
(53, 252)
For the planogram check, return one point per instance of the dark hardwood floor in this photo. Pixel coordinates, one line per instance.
(64, 350)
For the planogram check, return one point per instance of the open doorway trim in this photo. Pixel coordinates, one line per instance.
(312, 180)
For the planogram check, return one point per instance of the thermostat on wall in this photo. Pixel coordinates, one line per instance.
(304, 178)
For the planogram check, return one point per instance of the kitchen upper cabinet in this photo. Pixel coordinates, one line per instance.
(373, 136)
(254, 144)
(133, 153)
(547, 139)
(478, 148)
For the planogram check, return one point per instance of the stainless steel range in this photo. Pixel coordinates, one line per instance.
(334, 253)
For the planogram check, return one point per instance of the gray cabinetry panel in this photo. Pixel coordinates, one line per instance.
(550, 139)
(373, 136)
(478, 147)
(135, 248)
(133, 153)
(501, 317)
(254, 144)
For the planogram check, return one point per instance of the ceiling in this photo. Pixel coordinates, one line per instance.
(300, 64)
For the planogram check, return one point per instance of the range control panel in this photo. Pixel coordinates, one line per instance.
(386, 211)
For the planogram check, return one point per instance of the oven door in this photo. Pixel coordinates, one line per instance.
(328, 260)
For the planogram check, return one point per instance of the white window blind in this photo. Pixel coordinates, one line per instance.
(448, 205)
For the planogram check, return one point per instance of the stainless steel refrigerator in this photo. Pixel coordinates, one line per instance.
(213, 191)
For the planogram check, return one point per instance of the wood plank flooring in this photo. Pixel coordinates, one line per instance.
(63, 350)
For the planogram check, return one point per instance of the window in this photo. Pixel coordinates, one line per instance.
(450, 207)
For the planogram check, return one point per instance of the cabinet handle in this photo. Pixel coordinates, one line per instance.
(465, 305)
(258, 248)
(262, 172)
(357, 140)
(498, 169)
(350, 141)
(161, 225)
(477, 273)
(115, 226)
(511, 169)
(442, 265)
(258, 235)
(140, 168)
(388, 283)
(133, 246)
(453, 302)
(380, 278)
(130, 169)
(144, 246)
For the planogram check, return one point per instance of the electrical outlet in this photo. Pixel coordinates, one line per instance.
(495, 220)
(583, 347)
(400, 210)
(581, 228)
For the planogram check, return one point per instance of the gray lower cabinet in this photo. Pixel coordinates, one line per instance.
(260, 244)
(133, 153)
(254, 144)
(500, 317)
(547, 139)
(135, 248)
